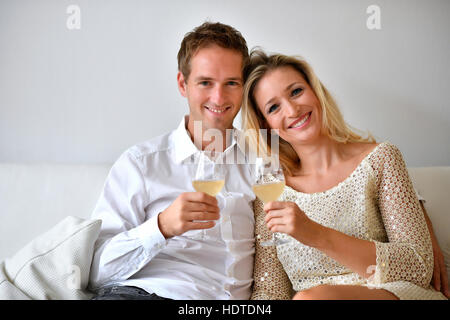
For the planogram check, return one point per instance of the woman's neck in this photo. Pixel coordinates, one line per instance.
(318, 157)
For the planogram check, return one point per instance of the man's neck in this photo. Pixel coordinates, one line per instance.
(211, 138)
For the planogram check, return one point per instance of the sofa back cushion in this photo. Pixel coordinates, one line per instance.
(35, 197)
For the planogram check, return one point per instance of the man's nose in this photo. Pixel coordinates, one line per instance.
(218, 96)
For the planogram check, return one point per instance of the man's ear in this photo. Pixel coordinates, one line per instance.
(181, 84)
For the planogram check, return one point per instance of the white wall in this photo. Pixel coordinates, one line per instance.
(84, 96)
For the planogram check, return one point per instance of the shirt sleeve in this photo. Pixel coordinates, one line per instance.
(408, 254)
(127, 241)
(270, 280)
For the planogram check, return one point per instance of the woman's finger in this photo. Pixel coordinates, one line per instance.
(274, 205)
(274, 214)
(275, 222)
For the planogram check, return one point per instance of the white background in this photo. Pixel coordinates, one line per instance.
(84, 96)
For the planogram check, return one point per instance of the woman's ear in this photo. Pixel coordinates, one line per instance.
(181, 84)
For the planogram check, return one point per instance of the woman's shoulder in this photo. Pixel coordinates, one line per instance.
(385, 154)
(373, 149)
(386, 149)
(359, 150)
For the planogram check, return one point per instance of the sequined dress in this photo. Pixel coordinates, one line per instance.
(376, 202)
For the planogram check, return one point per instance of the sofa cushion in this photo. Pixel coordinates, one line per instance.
(34, 197)
(55, 265)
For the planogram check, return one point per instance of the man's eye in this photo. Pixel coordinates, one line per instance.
(273, 108)
(204, 83)
(296, 91)
(232, 83)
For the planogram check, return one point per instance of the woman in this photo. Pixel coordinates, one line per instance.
(356, 227)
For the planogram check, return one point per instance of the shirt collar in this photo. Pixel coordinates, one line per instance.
(185, 148)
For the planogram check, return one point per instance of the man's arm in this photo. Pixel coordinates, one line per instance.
(127, 239)
(440, 279)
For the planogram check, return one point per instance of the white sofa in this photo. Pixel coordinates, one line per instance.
(36, 197)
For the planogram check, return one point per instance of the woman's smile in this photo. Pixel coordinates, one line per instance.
(301, 122)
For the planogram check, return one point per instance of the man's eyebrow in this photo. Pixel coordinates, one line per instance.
(200, 78)
(235, 78)
(203, 78)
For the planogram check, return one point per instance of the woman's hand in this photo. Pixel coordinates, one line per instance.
(286, 217)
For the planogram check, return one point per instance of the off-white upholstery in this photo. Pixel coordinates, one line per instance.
(55, 265)
(34, 198)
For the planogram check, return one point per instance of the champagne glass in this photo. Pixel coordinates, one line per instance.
(209, 176)
(268, 185)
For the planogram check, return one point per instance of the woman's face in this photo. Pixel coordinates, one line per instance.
(289, 105)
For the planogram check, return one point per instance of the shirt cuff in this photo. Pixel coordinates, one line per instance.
(150, 235)
(419, 195)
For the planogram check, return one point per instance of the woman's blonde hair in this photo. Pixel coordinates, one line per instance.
(333, 124)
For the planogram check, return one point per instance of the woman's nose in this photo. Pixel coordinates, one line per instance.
(291, 109)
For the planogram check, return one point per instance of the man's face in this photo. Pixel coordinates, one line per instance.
(214, 87)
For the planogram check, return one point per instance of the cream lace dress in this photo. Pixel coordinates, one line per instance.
(376, 202)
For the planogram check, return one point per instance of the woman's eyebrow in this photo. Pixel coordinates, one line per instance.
(291, 85)
(287, 89)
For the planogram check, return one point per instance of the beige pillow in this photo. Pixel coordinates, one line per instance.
(55, 265)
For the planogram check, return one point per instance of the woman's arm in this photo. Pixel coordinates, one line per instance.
(356, 254)
(408, 254)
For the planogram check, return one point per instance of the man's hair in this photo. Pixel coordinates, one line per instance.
(206, 35)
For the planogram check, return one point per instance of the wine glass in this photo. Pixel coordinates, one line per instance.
(209, 176)
(268, 185)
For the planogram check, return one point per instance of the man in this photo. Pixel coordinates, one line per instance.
(160, 240)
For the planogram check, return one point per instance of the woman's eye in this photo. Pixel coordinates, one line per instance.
(272, 108)
(296, 91)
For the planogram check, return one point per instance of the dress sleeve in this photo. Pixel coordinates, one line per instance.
(408, 253)
(270, 280)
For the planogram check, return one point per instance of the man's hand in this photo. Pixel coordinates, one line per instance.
(183, 214)
(439, 279)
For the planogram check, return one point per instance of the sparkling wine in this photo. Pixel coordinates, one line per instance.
(211, 187)
(269, 191)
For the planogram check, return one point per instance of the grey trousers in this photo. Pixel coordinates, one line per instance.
(125, 293)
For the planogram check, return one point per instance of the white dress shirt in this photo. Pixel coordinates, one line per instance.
(214, 263)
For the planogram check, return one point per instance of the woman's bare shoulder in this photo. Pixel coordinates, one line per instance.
(359, 150)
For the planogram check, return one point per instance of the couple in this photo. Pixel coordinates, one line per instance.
(160, 241)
